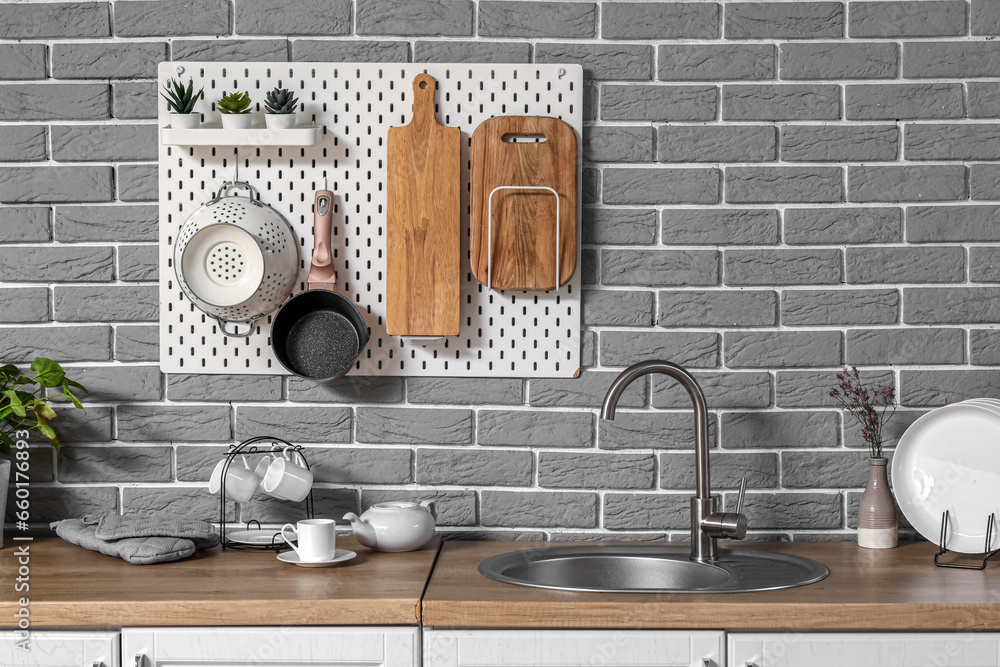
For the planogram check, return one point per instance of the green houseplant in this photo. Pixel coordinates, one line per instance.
(180, 102)
(280, 107)
(235, 110)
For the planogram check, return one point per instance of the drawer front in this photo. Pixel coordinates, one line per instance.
(53, 648)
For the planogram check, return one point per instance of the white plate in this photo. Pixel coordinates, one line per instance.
(339, 556)
(949, 459)
(256, 537)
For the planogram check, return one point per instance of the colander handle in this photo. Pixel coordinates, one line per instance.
(235, 332)
(228, 185)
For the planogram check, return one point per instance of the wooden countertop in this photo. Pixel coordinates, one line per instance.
(71, 586)
(894, 589)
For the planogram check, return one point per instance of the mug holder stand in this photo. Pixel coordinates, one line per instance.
(991, 523)
(257, 446)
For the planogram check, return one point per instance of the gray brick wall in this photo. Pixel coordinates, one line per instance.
(773, 189)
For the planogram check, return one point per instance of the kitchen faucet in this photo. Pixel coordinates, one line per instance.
(707, 523)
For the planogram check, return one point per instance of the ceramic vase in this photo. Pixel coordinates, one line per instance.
(185, 121)
(280, 121)
(877, 513)
(237, 121)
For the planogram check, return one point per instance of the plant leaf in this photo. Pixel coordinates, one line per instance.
(48, 372)
(73, 399)
(15, 403)
(44, 409)
(44, 428)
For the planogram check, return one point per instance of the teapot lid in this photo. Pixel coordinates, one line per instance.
(394, 505)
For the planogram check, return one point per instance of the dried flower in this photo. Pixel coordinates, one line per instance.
(873, 408)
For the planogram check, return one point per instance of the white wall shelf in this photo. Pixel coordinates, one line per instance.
(215, 135)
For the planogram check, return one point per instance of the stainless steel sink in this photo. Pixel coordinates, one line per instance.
(653, 568)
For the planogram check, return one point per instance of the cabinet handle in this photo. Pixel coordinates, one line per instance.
(140, 659)
(98, 663)
(750, 663)
(707, 662)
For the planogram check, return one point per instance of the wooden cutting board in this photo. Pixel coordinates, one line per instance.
(508, 151)
(423, 225)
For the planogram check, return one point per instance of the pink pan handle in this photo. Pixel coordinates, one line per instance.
(322, 275)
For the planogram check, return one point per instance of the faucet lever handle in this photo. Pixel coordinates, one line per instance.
(743, 493)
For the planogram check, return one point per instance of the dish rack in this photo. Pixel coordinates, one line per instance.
(991, 524)
(275, 446)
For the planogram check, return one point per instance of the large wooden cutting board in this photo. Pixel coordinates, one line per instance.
(509, 151)
(423, 225)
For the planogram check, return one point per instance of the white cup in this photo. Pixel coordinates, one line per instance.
(241, 482)
(286, 479)
(317, 539)
(261, 470)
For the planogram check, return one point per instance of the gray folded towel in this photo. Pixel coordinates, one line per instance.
(153, 524)
(143, 539)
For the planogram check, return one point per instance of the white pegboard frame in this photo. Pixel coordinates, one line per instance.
(506, 334)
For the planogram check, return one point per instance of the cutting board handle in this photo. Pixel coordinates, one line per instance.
(423, 100)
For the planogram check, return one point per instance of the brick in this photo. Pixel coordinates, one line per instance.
(951, 305)
(618, 144)
(176, 17)
(465, 391)
(22, 61)
(661, 20)
(689, 349)
(55, 184)
(56, 263)
(984, 347)
(297, 424)
(722, 390)
(904, 101)
(780, 102)
(964, 60)
(190, 501)
(24, 224)
(646, 511)
(579, 470)
(535, 428)
(454, 508)
(717, 309)
(591, 185)
(479, 51)
(137, 182)
(905, 183)
(360, 465)
(618, 308)
(793, 510)
(588, 348)
(619, 226)
(138, 263)
(167, 423)
(729, 226)
(782, 267)
(134, 99)
(911, 345)
(442, 18)
(25, 143)
(564, 536)
(984, 265)
(541, 509)
(780, 430)
(677, 470)
(660, 186)
(712, 62)
(652, 430)
(985, 17)
(512, 18)
(117, 464)
(350, 389)
(589, 267)
(120, 382)
(586, 391)
(103, 143)
(115, 60)
(621, 62)
(810, 389)
(984, 99)
(952, 142)
(933, 224)
(659, 103)
(843, 225)
(841, 60)
(350, 51)
(94, 425)
(54, 101)
(799, 20)
(221, 50)
(137, 343)
(24, 304)
(905, 265)
(56, 19)
(485, 467)
(706, 143)
(105, 223)
(984, 181)
(783, 349)
(111, 303)
(414, 426)
(80, 343)
(758, 185)
(223, 388)
(55, 503)
(839, 143)
(908, 19)
(294, 17)
(933, 388)
(839, 307)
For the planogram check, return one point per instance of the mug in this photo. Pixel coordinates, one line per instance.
(241, 482)
(286, 479)
(317, 539)
(262, 466)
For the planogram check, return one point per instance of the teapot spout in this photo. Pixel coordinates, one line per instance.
(363, 531)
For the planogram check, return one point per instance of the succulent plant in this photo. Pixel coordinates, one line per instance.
(236, 102)
(281, 101)
(180, 99)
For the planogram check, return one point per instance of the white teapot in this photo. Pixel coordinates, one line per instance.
(395, 526)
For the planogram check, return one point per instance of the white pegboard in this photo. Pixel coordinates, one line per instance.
(512, 334)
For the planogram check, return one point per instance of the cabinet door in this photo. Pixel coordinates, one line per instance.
(567, 648)
(864, 649)
(55, 648)
(274, 646)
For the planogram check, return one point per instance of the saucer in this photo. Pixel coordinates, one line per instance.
(339, 556)
(257, 537)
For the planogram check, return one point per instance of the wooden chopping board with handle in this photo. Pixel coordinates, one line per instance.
(537, 155)
(423, 222)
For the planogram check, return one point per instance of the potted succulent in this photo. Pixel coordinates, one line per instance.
(180, 101)
(280, 108)
(235, 110)
(24, 408)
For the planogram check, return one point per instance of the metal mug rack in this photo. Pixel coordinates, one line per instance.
(991, 523)
(250, 447)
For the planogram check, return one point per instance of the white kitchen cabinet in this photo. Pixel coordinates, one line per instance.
(60, 648)
(568, 648)
(273, 646)
(867, 649)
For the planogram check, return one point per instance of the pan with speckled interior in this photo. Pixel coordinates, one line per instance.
(319, 334)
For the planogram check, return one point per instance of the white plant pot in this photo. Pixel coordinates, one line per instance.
(4, 485)
(280, 121)
(237, 121)
(185, 121)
